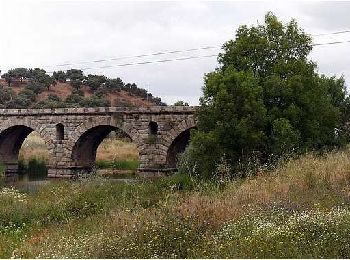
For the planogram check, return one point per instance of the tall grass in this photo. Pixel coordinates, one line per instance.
(34, 167)
(119, 165)
(299, 210)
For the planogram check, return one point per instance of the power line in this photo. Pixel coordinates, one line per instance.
(169, 60)
(136, 56)
(163, 53)
(166, 52)
(146, 62)
(339, 32)
(330, 43)
(182, 58)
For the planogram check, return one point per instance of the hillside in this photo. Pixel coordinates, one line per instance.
(34, 88)
(63, 90)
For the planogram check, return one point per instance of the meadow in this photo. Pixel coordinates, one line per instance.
(300, 209)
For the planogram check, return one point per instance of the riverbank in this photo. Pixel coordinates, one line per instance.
(299, 210)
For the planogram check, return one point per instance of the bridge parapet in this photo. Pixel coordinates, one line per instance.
(100, 110)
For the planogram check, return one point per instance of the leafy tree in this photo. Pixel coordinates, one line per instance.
(74, 99)
(95, 81)
(76, 77)
(76, 83)
(27, 94)
(266, 100)
(35, 86)
(60, 76)
(8, 78)
(115, 84)
(181, 103)
(6, 95)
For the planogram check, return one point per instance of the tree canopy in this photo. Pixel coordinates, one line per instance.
(266, 100)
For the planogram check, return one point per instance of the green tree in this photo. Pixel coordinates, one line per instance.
(266, 100)
(181, 103)
(115, 84)
(60, 76)
(95, 81)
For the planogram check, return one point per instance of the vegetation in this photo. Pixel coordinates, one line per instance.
(119, 165)
(36, 81)
(266, 101)
(181, 103)
(299, 210)
(34, 167)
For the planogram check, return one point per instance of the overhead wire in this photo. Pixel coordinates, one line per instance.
(169, 52)
(166, 52)
(181, 58)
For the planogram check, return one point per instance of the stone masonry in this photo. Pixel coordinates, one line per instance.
(72, 136)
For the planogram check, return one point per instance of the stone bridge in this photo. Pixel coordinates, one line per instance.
(72, 136)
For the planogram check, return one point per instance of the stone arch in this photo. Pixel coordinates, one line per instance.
(85, 126)
(84, 150)
(177, 140)
(12, 136)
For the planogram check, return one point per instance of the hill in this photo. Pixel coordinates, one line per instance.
(34, 88)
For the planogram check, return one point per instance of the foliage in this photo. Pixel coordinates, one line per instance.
(267, 101)
(60, 76)
(117, 164)
(181, 103)
(34, 167)
(95, 81)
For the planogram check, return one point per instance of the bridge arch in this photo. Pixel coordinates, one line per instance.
(178, 140)
(85, 148)
(12, 136)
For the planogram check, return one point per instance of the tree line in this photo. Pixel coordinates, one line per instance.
(37, 80)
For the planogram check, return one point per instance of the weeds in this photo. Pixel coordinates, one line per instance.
(299, 210)
(120, 165)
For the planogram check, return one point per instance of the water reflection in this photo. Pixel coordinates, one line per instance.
(29, 182)
(26, 182)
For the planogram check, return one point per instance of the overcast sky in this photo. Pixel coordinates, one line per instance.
(49, 33)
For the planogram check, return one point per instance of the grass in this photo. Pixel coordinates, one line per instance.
(299, 210)
(35, 167)
(119, 165)
(114, 154)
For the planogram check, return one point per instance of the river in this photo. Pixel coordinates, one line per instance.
(31, 183)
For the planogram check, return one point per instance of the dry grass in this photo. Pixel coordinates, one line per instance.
(308, 197)
(34, 147)
(109, 150)
(117, 150)
(301, 184)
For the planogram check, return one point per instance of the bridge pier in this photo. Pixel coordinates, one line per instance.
(151, 173)
(70, 172)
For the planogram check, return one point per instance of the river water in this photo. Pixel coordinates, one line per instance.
(31, 183)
